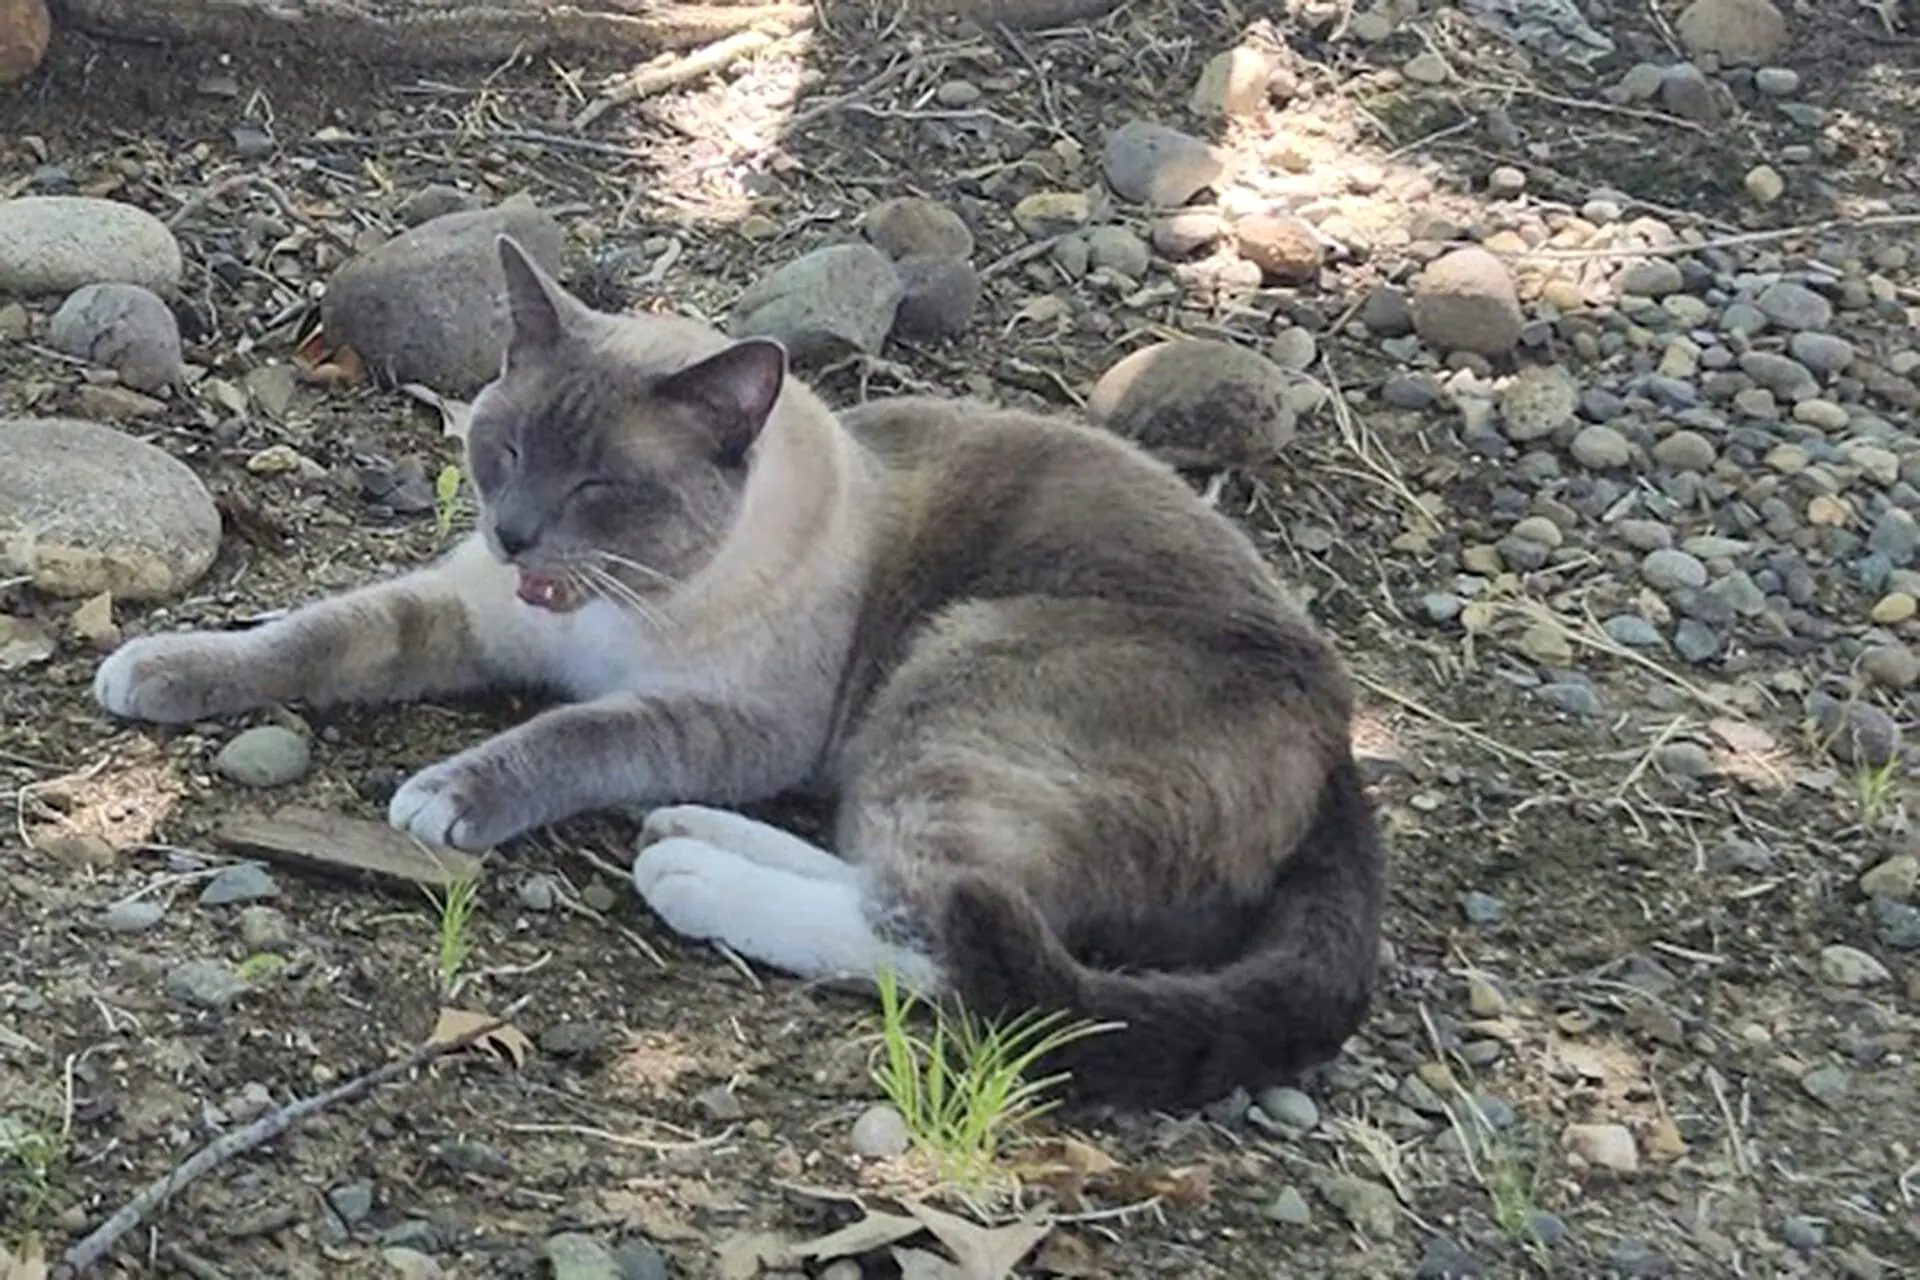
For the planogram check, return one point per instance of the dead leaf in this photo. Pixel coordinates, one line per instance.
(1664, 1141)
(645, 1213)
(23, 643)
(1067, 1254)
(28, 1264)
(1741, 736)
(1065, 1166)
(506, 1039)
(1186, 1188)
(740, 1256)
(453, 413)
(984, 1253)
(875, 1231)
(321, 364)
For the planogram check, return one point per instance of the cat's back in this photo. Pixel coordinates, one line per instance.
(983, 503)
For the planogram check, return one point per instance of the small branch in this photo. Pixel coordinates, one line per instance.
(268, 1127)
(644, 82)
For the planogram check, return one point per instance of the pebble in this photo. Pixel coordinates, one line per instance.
(1466, 301)
(1734, 31)
(836, 299)
(264, 929)
(425, 306)
(1672, 570)
(1481, 908)
(1856, 733)
(1445, 1260)
(267, 755)
(912, 226)
(539, 893)
(436, 200)
(1289, 1208)
(1845, 966)
(1372, 1208)
(1601, 448)
(1610, 1146)
(1686, 92)
(1286, 249)
(352, 1201)
(1293, 348)
(1794, 306)
(1052, 213)
(938, 296)
(1686, 451)
(1892, 666)
(1820, 352)
(1181, 234)
(1537, 401)
(1828, 1085)
(242, 882)
(1764, 185)
(57, 244)
(1426, 68)
(205, 984)
(1289, 1108)
(1197, 401)
(576, 1256)
(1153, 165)
(1803, 1233)
(1893, 880)
(880, 1133)
(123, 327)
(1234, 84)
(137, 916)
(1777, 82)
(107, 512)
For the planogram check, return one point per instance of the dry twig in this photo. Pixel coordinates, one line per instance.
(658, 77)
(157, 1193)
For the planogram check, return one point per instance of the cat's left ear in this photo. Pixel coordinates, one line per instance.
(734, 392)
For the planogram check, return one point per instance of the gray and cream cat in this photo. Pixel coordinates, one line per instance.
(1086, 753)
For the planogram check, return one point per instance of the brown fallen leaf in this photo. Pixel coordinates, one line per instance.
(1069, 1255)
(506, 1039)
(983, 1253)
(1065, 1166)
(30, 1263)
(740, 1256)
(875, 1231)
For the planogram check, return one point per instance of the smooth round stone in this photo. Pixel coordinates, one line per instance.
(880, 1133)
(1601, 448)
(1671, 570)
(56, 244)
(267, 755)
(1289, 1108)
(137, 916)
(1894, 607)
(1824, 414)
(1685, 451)
(1777, 82)
(85, 509)
(1540, 530)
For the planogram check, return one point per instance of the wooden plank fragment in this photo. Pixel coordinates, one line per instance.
(331, 843)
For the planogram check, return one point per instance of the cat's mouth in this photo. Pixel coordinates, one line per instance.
(555, 593)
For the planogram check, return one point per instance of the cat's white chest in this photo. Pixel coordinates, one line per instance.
(596, 650)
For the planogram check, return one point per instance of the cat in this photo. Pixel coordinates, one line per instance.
(1087, 755)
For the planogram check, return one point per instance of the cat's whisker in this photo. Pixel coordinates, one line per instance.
(648, 571)
(599, 582)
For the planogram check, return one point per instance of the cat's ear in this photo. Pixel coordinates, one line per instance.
(537, 304)
(734, 392)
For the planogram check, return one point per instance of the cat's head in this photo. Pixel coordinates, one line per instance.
(611, 455)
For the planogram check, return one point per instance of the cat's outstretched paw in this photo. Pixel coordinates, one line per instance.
(174, 679)
(696, 889)
(461, 803)
(736, 833)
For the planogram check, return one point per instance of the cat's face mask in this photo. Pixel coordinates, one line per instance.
(599, 477)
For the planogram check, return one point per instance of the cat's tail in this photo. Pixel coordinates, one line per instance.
(1189, 1038)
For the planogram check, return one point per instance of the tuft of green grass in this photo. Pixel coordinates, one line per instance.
(446, 497)
(33, 1167)
(1875, 791)
(455, 911)
(963, 1085)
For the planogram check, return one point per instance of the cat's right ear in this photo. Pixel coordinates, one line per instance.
(537, 304)
(734, 391)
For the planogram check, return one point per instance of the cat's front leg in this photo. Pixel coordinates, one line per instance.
(411, 637)
(621, 750)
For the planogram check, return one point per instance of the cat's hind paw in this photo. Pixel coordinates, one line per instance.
(696, 889)
(736, 833)
(174, 679)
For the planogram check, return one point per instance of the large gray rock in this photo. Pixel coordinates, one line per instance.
(840, 298)
(1465, 301)
(1733, 31)
(56, 244)
(1150, 164)
(429, 305)
(1197, 402)
(125, 327)
(86, 509)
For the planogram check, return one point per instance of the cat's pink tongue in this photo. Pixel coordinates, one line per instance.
(539, 590)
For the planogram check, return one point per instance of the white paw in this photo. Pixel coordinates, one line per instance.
(736, 833)
(171, 679)
(693, 887)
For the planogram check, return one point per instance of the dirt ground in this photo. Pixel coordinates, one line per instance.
(1635, 967)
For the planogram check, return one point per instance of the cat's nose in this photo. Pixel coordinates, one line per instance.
(512, 541)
